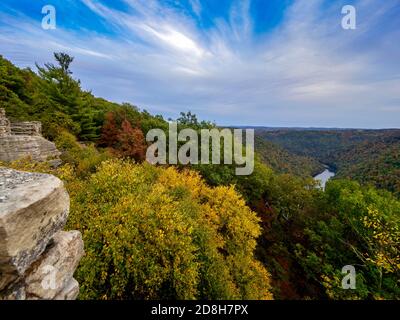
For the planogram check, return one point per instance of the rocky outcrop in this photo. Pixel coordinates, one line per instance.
(59, 261)
(23, 139)
(5, 127)
(17, 147)
(32, 128)
(37, 259)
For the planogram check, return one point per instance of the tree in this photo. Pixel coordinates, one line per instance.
(60, 87)
(356, 226)
(131, 142)
(89, 128)
(64, 60)
(109, 132)
(123, 140)
(189, 120)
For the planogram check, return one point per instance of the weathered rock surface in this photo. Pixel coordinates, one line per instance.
(58, 264)
(5, 128)
(31, 128)
(70, 292)
(23, 139)
(33, 208)
(14, 147)
(37, 260)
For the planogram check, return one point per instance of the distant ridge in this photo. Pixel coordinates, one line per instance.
(310, 128)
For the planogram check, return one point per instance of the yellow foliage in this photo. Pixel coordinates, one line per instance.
(385, 242)
(156, 233)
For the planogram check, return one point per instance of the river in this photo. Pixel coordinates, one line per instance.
(324, 177)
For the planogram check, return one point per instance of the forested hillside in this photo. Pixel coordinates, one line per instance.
(201, 232)
(367, 156)
(376, 162)
(283, 161)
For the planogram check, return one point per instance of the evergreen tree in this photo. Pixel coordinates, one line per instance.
(64, 91)
(89, 128)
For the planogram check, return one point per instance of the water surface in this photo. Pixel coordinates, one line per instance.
(324, 177)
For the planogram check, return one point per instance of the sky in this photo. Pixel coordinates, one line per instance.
(236, 62)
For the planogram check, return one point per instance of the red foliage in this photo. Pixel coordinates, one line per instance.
(131, 142)
(109, 132)
(125, 141)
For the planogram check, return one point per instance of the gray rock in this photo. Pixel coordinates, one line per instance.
(5, 128)
(16, 292)
(15, 147)
(24, 139)
(51, 275)
(31, 128)
(70, 292)
(33, 208)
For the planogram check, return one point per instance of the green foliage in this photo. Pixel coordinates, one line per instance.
(83, 158)
(320, 144)
(189, 120)
(16, 89)
(376, 163)
(356, 226)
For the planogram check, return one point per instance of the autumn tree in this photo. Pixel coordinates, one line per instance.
(123, 140)
(109, 131)
(131, 142)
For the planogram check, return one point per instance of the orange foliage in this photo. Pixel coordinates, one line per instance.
(123, 141)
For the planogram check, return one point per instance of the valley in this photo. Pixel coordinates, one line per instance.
(367, 156)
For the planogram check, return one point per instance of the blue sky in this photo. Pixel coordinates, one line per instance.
(248, 62)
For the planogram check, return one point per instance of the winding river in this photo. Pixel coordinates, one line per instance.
(324, 177)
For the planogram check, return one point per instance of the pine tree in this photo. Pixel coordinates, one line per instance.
(64, 91)
(89, 129)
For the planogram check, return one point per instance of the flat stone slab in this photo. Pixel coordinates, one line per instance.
(33, 207)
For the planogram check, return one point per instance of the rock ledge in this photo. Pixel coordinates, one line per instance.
(24, 139)
(37, 259)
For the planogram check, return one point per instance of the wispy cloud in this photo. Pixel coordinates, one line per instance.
(196, 7)
(160, 55)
